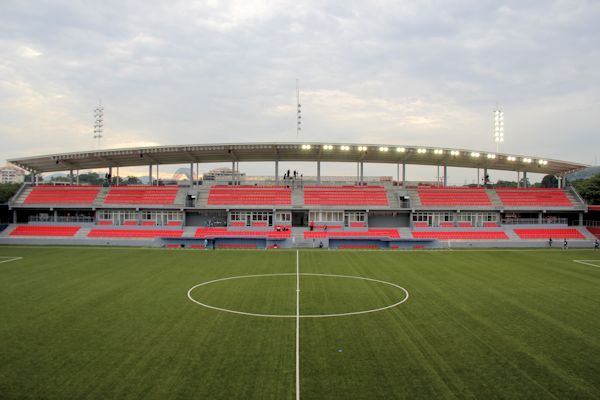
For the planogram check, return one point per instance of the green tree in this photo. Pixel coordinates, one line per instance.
(506, 184)
(8, 190)
(589, 189)
(549, 181)
(133, 180)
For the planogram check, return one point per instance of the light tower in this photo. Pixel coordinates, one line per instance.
(98, 122)
(298, 111)
(498, 127)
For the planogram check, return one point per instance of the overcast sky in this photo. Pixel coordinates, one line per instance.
(395, 72)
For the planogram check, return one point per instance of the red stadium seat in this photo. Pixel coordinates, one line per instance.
(460, 235)
(345, 195)
(546, 233)
(534, 197)
(134, 233)
(223, 233)
(145, 195)
(62, 195)
(368, 234)
(250, 195)
(46, 231)
(453, 197)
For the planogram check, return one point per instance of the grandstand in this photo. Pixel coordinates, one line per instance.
(236, 211)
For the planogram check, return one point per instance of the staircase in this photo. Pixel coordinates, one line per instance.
(405, 233)
(494, 198)
(415, 200)
(181, 196)
(6, 232)
(570, 193)
(99, 202)
(20, 197)
(298, 239)
(392, 196)
(202, 197)
(297, 197)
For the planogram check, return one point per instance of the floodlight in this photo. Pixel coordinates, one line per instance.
(383, 149)
(421, 151)
(454, 153)
(362, 148)
(438, 151)
(306, 147)
(327, 147)
(345, 148)
(475, 154)
(400, 149)
(491, 156)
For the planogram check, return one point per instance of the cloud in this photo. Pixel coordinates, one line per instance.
(427, 72)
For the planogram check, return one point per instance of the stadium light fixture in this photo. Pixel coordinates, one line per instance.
(475, 154)
(511, 158)
(454, 152)
(400, 149)
(383, 149)
(306, 147)
(438, 151)
(527, 160)
(327, 147)
(542, 162)
(345, 148)
(421, 151)
(498, 127)
(362, 148)
(491, 156)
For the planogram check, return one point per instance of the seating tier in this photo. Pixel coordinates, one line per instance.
(453, 197)
(210, 233)
(62, 195)
(533, 197)
(250, 195)
(345, 195)
(460, 235)
(541, 233)
(594, 231)
(157, 195)
(48, 231)
(134, 233)
(371, 233)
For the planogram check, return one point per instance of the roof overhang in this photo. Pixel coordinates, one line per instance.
(307, 151)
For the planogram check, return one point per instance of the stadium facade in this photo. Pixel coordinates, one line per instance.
(294, 211)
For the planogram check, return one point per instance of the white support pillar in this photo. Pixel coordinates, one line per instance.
(118, 176)
(403, 174)
(157, 175)
(70, 177)
(150, 174)
(319, 172)
(110, 177)
(362, 172)
(525, 179)
(518, 179)
(445, 175)
(485, 174)
(357, 172)
(398, 173)
(478, 181)
(233, 172)
(277, 172)
(198, 172)
(191, 174)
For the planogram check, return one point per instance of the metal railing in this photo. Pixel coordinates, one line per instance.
(593, 224)
(529, 221)
(51, 218)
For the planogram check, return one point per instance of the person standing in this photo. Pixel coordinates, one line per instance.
(550, 242)
(596, 245)
(565, 244)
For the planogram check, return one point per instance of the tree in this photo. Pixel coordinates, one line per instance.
(506, 184)
(133, 180)
(8, 190)
(589, 189)
(549, 181)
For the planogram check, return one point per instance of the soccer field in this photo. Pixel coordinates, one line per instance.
(120, 323)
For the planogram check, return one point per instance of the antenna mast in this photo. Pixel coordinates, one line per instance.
(98, 122)
(298, 111)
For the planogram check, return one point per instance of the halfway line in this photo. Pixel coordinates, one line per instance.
(297, 325)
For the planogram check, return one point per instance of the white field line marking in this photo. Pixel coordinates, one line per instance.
(587, 262)
(297, 325)
(10, 259)
(189, 294)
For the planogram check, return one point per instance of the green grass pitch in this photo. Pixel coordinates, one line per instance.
(116, 323)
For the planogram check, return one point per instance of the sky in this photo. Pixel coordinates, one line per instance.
(395, 72)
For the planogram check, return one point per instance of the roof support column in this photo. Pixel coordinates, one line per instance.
(518, 179)
(233, 173)
(319, 172)
(192, 174)
(445, 175)
(478, 182)
(525, 179)
(198, 173)
(277, 172)
(70, 177)
(397, 173)
(403, 174)
(150, 174)
(110, 177)
(357, 172)
(362, 172)
(118, 176)
(77, 177)
(485, 177)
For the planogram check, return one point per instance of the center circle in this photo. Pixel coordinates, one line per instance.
(325, 315)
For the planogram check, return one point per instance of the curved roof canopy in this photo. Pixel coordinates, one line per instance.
(327, 152)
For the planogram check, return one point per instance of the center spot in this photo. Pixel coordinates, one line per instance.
(321, 295)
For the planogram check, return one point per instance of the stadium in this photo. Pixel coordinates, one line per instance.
(285, 286)
(299, 200)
